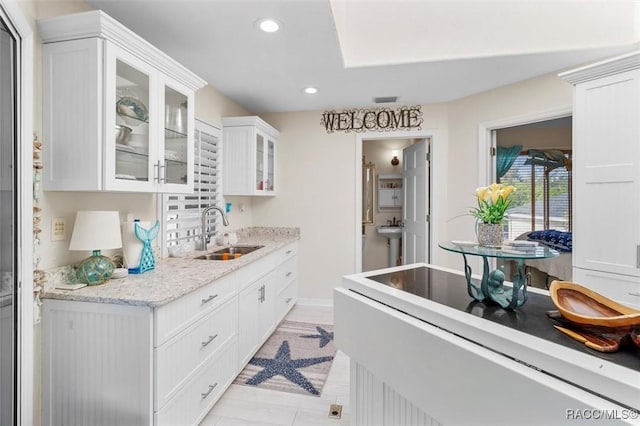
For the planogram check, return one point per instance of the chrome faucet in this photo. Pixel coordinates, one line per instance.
(204, 235)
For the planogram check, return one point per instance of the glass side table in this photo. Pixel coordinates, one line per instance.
(491, 286)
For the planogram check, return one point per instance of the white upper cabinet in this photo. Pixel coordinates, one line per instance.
(118, 113)
(249, 153)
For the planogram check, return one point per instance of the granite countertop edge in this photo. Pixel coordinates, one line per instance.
(172, 277)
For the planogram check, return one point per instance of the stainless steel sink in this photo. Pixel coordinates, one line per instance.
(229, 253)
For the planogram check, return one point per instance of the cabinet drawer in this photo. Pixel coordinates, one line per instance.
(286, 272)
(286, 253)
(178, 357)
(202, 391)
(173, 317)
(286, 299)
(623, 288)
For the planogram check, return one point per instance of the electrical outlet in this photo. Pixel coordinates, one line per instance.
(58, 229)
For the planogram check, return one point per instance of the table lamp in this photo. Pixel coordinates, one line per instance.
(95, 231)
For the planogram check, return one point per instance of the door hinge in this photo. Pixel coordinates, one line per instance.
(428, 218)
(428, 157)
(492, 151)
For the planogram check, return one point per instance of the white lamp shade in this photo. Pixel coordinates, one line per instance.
(96, 230)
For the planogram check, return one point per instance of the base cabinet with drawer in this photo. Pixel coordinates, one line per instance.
(112, 364)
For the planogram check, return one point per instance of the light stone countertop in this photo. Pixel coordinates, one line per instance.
(172, 277)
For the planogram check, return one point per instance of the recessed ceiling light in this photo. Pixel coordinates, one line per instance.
(310, 90)
(268, 25)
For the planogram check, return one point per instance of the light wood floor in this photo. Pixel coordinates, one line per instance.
(250, 406)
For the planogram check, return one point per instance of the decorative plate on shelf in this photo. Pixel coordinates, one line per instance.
(132, 110)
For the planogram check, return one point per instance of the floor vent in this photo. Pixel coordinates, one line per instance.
(335, 411)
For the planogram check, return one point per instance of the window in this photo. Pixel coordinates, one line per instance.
(182, 212)
(543, 192)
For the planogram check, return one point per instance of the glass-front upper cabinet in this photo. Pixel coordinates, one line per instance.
(176, 164)
(128, 161)
(265, 163)
(118, 113)
(250, 153)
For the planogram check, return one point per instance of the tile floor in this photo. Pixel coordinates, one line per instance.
(248, 406)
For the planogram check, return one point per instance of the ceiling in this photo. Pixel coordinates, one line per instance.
(422, 51)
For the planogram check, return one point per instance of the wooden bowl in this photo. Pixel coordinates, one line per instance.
(585, 307)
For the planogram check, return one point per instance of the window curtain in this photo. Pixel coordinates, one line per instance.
(505, 157)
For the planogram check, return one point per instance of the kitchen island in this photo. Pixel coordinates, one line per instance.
(423, 353)
(161, 347)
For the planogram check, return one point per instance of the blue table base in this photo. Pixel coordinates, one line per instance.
(492, 288)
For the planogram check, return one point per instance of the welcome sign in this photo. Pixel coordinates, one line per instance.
(374, 119)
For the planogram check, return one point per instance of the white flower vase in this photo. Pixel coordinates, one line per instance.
(490, 235)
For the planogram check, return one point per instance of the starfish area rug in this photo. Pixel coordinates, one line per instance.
(296, 358)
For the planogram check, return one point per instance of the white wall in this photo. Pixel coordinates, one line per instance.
(316, 171)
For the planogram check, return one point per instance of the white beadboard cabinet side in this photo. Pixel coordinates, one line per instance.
(73, 81)
(97, 364)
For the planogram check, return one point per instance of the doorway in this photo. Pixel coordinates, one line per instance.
(531, 147)
(384, 152)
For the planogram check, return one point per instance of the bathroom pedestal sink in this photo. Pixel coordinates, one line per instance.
(393, 233)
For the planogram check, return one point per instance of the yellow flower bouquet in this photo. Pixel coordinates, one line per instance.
(493, 202)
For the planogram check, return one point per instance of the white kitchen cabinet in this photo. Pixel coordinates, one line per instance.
(249, 153)
(256, 313)
(260, 305)
(148, 363)
(606, 176)
(164, 365)
(389, 191)
(118, 113)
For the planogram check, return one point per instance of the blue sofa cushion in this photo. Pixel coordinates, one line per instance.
(559, 240)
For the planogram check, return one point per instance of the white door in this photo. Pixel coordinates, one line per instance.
(606, 197)
(415, 176)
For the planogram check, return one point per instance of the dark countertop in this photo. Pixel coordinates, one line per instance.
(451, 290)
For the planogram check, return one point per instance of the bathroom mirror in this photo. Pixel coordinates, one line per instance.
(368, 191)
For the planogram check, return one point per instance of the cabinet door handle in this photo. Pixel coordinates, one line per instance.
(211, 388)
(288, 274)
(260, 295)
(638, 256)
(209, 340)
(162, 173)
(156, 173)
(209, 299)
(288, 300)
(289, 252)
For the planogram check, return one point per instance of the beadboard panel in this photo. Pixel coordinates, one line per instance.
(203, 390)
(181, 355)
(97, 349)
(6, 363)
(80, 62)
(398, 411)
(378, 404)
(239, 147)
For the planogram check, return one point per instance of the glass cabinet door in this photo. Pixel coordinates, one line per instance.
(271, 163)
(174, 170)
(132, 136)
(260, 175)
